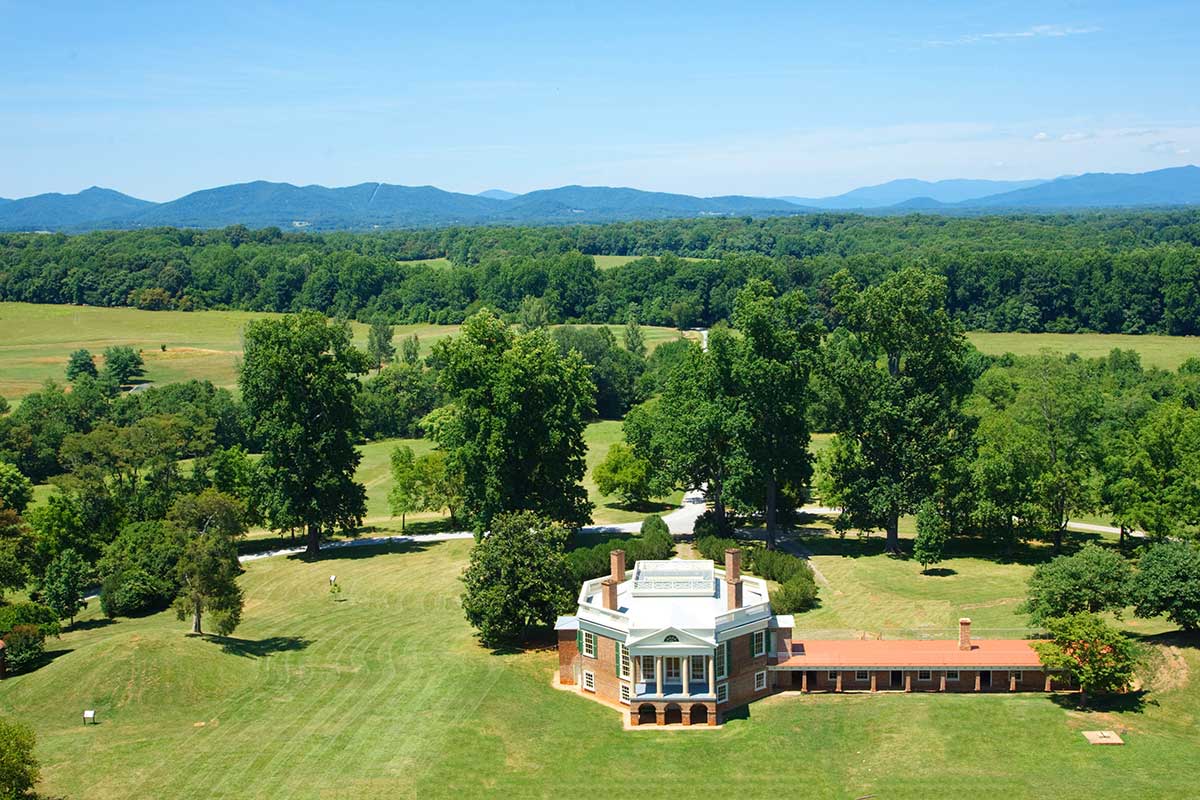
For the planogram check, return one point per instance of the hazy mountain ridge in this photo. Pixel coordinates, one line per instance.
(381, 205)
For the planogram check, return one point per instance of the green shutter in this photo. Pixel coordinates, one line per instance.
(617, 646)
(728, 659)
(579, 641)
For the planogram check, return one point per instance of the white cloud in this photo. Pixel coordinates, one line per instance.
(1041, 136)
(1032, 32)
(1167, 147)
(1074, 136)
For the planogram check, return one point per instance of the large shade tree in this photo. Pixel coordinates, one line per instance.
(774, 358)
(895, 376)
(298, 384)
(513, 429)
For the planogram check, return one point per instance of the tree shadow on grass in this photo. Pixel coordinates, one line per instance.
(1177, 638)
(642, 507)
(1130, 702)
(342, 552)
(538, 641)
(940, 572)
(92, 624)
(248, 648)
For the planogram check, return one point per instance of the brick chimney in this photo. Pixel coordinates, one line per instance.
(616, 561)
(733, 577)
(608, 589)
(964, 634)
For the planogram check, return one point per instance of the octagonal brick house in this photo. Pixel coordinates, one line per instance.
(679, 642)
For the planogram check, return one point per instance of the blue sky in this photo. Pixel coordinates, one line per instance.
(799, 98)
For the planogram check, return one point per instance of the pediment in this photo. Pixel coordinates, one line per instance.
(671, 637)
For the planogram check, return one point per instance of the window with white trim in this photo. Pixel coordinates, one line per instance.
(589, 644)
(760, 680)
(862, 675)
(722, 657)
(624, 666)
(698, 671)
(722, 692)
(833, 674)
(589, 681)
(951, 674)
(671, 671)
(648, 669)
(760, 643)
(625, 693)
(924, 675)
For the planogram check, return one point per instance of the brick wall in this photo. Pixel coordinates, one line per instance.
(742, 668)
(604, 665)
(568, 651)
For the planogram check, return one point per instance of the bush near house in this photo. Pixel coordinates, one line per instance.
(797, 590)
(654, 544)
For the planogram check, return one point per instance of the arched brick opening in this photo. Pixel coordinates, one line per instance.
(647, 714)
(674, 715)
(699, 714)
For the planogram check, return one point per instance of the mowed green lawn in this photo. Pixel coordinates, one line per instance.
(387, 694)
(1167, 352)
(36, 340)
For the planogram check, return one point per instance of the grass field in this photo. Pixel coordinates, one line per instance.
(35, 341)
(387, 695)
(1167, 352)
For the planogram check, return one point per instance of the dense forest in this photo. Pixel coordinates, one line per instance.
(1120, 272)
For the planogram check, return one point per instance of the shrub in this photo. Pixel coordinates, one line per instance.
(18, 764)
(714, 547)
(24, 646)
(707, 525)
(138, 570)
(26, 613)
(776, 566)
(133, 591)
(797, 594)
(655, 544)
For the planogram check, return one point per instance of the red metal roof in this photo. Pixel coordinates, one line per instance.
(931, 654)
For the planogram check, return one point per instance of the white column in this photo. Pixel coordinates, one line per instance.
(712, 683)
(637, 671)
(658, 674)
(686, 664)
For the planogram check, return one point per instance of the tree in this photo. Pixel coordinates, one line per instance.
(1093, 580)
(1091, 652)
(932, 535)
(64, 584)
(81, 363)
(16, 491)
(298, 385)
(615, 371)
(517, 579)
(122, 364)
(139, 569)
(208, 567)
(404, 495)
(16, 549)
(19, 771)
(513, 429)
(533, 314)
(1159, 471)
(379, 343)
(692, 433)
(894, 376)
(623, 473)
(437, 485)
(635, 340)
(1046, 423)
(1168, 582)
(411, 350)
(771, 372)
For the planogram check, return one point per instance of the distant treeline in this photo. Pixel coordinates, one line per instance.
(1118, 272)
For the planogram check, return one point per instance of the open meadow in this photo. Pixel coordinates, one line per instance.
(35, 341)
(386, 693)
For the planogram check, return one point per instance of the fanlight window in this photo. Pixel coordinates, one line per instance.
(670, 637)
